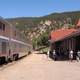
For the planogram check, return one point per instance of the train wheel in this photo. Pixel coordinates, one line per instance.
(15, 57)
(9, 60)
(6, 60)
(29, 52)
(2, 60)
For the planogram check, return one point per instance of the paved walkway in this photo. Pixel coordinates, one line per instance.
(38, 67)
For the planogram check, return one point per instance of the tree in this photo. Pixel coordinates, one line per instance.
(41, 40)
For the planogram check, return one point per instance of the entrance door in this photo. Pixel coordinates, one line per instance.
(77, 43)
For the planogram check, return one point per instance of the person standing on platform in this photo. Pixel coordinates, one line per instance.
(48, 54)
(71, 55)
(78, 56)
(54, 54)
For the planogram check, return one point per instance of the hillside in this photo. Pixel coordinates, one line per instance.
(36, 26)
(32, 21)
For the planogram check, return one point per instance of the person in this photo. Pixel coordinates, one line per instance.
(54, 54)
(48, 54)
(71, 55)
(78, 56)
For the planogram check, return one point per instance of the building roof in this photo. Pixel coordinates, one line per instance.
(61, 34)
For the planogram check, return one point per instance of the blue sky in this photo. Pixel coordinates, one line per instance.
(27, 8)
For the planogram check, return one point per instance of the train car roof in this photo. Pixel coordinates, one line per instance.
(5, 21)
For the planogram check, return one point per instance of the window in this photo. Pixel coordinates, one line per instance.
(2, 26)
(14, 33)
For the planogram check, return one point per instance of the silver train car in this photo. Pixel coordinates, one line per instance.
(13, 45)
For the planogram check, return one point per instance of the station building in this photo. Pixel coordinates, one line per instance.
(64, 40)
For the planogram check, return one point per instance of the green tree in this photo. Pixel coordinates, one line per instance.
(41, 40)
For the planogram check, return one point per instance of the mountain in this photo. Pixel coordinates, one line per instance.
(31, 21)
(32, 26)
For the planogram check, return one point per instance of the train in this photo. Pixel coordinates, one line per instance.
(13, 45)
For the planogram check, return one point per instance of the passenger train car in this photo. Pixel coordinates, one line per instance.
(13, 45)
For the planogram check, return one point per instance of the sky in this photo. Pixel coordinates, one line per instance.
(36, 8)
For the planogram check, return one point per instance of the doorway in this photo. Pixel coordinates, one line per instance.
(77, 43)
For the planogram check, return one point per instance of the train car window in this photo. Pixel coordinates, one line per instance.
(3, 27)
(14, 33)
(0, 26)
